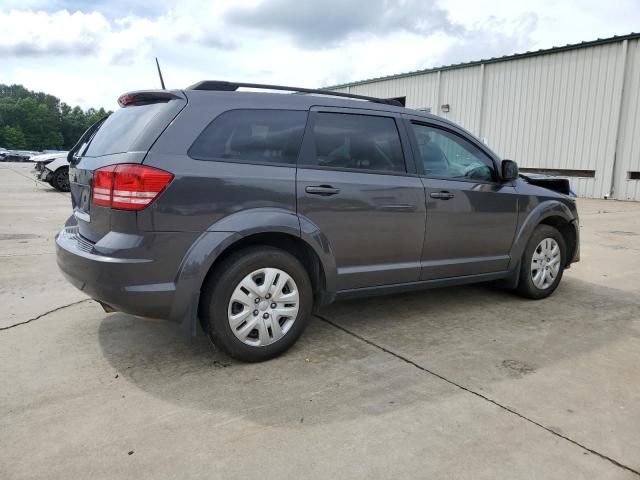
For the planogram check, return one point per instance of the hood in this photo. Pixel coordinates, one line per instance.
(550, 182)
(48, 157)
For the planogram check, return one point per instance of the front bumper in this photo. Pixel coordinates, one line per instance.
(121, 283)
(43, 174)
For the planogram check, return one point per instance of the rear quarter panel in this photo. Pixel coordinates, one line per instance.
(204, 192)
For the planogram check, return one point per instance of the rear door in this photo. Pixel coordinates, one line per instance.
(471, 215)
(354, 184)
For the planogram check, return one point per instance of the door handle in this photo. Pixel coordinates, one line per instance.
(324, 190)
(442, 195)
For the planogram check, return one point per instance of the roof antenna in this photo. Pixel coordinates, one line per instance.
(160, 73)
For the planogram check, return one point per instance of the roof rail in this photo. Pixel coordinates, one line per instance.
(233, 86)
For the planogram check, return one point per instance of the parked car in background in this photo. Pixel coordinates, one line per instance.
(20, 155)
(3, 153)
(248, 211)
(52, 168)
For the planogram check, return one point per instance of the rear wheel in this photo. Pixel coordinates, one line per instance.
(543, 263)
(60, 179)
(257, 303)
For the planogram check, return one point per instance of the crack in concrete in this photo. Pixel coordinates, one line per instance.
(480, 395)
(45, 314)
(603, 212)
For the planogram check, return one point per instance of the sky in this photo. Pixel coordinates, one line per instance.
(90, 52)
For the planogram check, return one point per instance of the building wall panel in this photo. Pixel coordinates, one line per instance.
(557, 111)
(421, 90)
(628, 151)
(461, 89)
(571, 109)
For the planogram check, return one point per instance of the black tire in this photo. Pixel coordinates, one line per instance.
(60, 179)
(526, 285)
(221, 284)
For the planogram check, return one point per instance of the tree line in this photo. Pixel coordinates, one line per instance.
(38, 121)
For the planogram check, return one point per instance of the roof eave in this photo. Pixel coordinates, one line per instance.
(515, 56)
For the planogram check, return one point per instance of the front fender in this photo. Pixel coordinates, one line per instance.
(57, 163)
(546, 209)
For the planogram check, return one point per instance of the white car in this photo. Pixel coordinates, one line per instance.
(52, 168)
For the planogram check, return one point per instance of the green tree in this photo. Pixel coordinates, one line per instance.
(13, 137)
(40, 121)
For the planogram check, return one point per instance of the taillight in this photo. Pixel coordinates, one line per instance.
(128, 187)
(102, 185)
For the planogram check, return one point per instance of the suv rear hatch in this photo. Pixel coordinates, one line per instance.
(124, 137)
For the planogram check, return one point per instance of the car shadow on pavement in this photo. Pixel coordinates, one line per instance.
(481, 333)
(331, 375)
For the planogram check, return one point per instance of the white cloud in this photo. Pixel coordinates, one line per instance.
(90, 53)
(28, 34)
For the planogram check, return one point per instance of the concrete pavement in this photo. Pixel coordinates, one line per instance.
(467, 382)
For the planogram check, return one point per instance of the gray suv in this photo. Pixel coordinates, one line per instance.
(246, 211)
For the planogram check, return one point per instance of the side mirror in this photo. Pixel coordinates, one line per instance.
(509, 170)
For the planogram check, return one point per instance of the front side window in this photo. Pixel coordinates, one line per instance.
(358, 142)
(252, 136)
(447, 155)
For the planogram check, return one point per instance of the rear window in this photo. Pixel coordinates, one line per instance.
(123, 127)
(252, 136)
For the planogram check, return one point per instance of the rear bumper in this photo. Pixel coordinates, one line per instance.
(121, 283)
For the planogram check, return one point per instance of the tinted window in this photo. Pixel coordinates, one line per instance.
(261, 136)
(118, 133)
(445, 154)
(360, 142)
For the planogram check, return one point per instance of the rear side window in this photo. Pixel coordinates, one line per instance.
(123, 127)
(357, 142)
(252, 136)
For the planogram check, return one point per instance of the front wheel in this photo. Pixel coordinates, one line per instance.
(543, 263)
(60, 179)
(257, 303)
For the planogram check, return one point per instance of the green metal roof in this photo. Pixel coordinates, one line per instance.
(516, 56)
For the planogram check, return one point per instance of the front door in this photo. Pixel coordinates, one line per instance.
(471, 216)
(352, 183)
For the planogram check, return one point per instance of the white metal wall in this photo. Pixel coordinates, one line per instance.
(421, 90)
(461, 89)
(572, 110)
(558, 111)
(628, 151)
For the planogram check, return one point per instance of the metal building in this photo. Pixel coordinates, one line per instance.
(569, 110)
